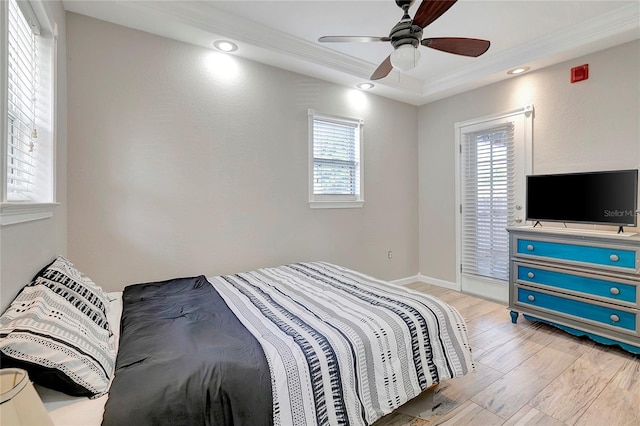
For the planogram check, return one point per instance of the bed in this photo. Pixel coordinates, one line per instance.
(305, 343)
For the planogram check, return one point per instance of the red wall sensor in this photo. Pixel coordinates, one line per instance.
(579, 73)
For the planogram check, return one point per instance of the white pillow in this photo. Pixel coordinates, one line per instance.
(57, 330)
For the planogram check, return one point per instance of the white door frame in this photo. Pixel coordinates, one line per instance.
(523, 144)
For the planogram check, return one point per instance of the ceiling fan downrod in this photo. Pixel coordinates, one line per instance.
(404, 4)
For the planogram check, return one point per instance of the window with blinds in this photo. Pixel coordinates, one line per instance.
(487, 201)
(27, 127)
(22, 89)
(335, 161)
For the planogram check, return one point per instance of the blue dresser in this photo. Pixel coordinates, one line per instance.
(585, 283)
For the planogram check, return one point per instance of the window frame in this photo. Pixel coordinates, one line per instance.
(327, 201)
(13, 212)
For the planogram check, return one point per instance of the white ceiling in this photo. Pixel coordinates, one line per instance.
(285, 33)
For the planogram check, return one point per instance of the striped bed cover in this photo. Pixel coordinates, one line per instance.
(343, 347)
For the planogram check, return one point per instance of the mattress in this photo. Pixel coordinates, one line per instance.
(65, 410)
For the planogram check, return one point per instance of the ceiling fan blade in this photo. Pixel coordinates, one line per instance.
(383, 69)
(458, 45)
(333, 39)
(430, 10)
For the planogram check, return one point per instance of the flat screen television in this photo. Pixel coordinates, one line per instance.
(605, 197)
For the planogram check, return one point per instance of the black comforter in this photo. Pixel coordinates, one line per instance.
(185, 359)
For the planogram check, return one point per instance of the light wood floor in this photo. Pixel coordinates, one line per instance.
(527, 374)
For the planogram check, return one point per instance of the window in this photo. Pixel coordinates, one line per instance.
(493, 159)
(335, 161)
(27, 136)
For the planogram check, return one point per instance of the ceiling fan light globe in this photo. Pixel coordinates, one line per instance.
(405, 57)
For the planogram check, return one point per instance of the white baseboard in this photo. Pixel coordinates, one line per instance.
(427, 280)
(441, 283)
(406, 281)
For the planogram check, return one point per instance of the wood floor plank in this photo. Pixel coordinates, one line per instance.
(497, 336)
(539, 332)
(487, 318)
(628, 376)
(509, 355)
(568, 343)
(613, 406)
(452, 296)
(421, 406)
(492, 338)
(431, 289)
(471, 414)
(450, 394)
(529, 416)
(468, 304)
(399, 419)
(515, 389)
(570, 394)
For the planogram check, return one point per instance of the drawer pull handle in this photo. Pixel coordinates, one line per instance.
(531, 274)
(531, 297)
(614, 290)
(530, 247)
(614, 318)
(614, 258)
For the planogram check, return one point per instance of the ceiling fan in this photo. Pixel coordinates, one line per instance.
(406, 37)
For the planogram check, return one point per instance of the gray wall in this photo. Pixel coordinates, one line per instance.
(180, 164)
(26, 247)
(589, 125)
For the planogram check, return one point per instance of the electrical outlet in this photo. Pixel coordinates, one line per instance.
(389, 254)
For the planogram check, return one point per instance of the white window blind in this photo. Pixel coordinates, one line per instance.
(336, 164)
(487, 201)
(335, 158)
(22, 88)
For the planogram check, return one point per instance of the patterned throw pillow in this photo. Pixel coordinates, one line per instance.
(63, 278)
(57, 330)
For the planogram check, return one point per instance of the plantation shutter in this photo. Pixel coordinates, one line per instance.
(21, 101)
(336, 157)
(488, 201)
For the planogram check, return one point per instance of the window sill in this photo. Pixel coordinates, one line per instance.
(12, 213)
(336, 204)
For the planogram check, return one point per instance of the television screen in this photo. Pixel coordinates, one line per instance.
(608, 197)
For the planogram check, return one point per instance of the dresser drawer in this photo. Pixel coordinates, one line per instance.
(601, 287)
(618, 319)
(619, 258)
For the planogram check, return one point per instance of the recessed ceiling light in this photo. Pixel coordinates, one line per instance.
(225, 46)
(366, 86)
(518, 70)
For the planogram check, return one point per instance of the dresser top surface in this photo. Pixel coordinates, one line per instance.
(591, 234)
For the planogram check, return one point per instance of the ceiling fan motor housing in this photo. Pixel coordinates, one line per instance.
(404, 32)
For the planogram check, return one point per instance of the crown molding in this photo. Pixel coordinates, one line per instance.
(617, 26)
(177, 17)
